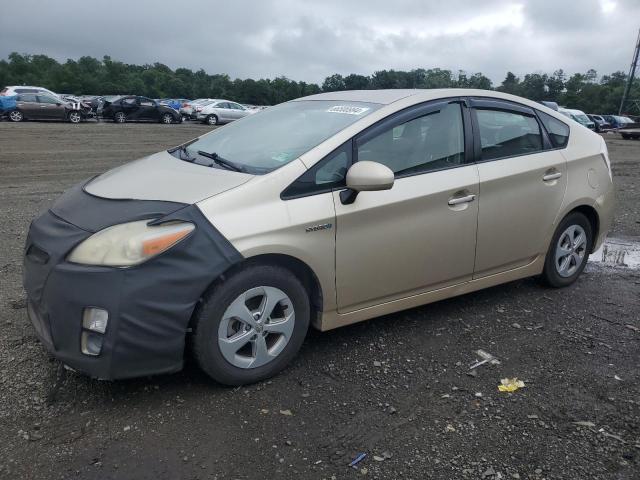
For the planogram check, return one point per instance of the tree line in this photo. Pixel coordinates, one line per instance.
(87, 75)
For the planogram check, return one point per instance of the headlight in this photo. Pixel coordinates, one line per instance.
(129, 243)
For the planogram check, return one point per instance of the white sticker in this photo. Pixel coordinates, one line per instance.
(348, 109)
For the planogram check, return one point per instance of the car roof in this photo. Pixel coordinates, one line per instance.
(414, 96)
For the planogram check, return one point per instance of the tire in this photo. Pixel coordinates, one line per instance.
(554, 275)
(119, 117)
(16, 116)
(212, 120)
(167, 119)
(214, 325)
(74, 116)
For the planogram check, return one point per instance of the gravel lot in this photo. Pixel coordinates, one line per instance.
(397, 388)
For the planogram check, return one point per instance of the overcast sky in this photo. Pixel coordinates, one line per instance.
(309, 40)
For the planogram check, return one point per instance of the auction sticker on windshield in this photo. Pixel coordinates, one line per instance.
(351, 110)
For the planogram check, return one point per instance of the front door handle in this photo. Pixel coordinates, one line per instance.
(459, 200)
(551, 176)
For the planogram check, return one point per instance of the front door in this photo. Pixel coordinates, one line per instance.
(148, 109)
(421, 234)
(522, 183)
(51, 108)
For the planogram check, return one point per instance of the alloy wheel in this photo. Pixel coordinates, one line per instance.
(571, 250)
(120, 117)
(256, 327)
(212, 120)
(75, 117)
(16, 116)
(167, 119)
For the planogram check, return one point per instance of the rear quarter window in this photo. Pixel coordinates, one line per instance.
(558, 131)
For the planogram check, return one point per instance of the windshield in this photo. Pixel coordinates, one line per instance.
(271, 138)
(582, 118)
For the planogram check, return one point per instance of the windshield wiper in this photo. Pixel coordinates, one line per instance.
(183, 150)
(222, 161)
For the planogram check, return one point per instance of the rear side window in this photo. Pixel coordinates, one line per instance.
(507, 134)
(558, 131)
(27, 97)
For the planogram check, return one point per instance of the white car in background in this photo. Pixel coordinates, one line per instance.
(190, 109)
(222, 111)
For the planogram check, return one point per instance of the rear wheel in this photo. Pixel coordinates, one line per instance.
(212, 120)
(167, 118)
(569, 251)
(120, 117)
(250, 326)
(16, 116)
(75, 116)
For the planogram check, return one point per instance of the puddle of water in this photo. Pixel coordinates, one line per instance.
(617, 252)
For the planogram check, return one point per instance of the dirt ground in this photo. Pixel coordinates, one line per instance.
(397, 388)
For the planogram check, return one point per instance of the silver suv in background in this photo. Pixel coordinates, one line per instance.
(222, 111)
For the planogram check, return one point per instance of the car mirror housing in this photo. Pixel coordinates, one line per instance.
(366, 176)
(369, 176)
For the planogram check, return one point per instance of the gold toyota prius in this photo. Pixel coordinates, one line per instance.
(323, 211)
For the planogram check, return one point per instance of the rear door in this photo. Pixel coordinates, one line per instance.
(420, 235)
(223, 110)
(130, 107)
(237, 111)
(28, 104)
(523, 179)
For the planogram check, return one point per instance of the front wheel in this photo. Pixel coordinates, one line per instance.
(569, 251)
(16, 116)
(250, 326)
(75, 117)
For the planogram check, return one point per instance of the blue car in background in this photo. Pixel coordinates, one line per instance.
(174, 103)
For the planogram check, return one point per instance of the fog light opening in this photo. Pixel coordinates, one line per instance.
(95, 319)
(91, 343)
(94, 325)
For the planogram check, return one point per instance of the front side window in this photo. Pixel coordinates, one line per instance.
(558, 131)
(263, 142)
(507, 134)
(432, 142)
(46, 99)
(324, 176)
(129, 101)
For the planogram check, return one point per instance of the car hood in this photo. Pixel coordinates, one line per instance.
(164, 177)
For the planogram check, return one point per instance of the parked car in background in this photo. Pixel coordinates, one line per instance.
(43, 106)
(174, 103)
(601, 124)
(617, 121)
(228, 243)
(134, 108)
(579, 116)
(189, 109)
(222, 111)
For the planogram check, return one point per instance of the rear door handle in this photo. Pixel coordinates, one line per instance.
(459, 200)
(552, 176)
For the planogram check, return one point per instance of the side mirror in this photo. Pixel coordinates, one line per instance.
(366, 177)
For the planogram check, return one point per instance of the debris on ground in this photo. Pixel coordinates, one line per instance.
(358, 459)
(486, 358)
(510, 384)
